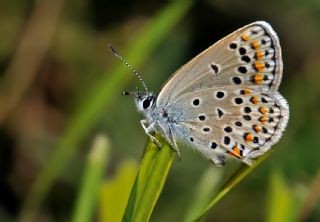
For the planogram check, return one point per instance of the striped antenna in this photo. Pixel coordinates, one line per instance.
(115, 52)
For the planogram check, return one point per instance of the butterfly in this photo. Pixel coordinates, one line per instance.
(225, 101)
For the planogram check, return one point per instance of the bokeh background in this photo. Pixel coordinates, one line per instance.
(60, 86)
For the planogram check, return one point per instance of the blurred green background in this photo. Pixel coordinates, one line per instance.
(60, 86)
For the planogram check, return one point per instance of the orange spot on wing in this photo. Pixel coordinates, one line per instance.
(257, 128)
(256, 44)
(245, 37)
(259, 66)
(254, 100)
(263, 119)
(259, 55)
(263, 110)
(236, 151)
(258, 78)
(247, 91)
(249, 137)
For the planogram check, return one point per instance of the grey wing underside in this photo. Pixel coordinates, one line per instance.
(198, 73)
(246, 64)
(223, 127)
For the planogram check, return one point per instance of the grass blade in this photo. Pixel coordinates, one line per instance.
(208, 182)
(149, 182)
(283, 203)
(115, 192)
(97, 160)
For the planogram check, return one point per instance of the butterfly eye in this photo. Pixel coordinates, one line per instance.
(147, 103)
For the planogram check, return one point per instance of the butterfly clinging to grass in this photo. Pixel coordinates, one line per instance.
(225, 101)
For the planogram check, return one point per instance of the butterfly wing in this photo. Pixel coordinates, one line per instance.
(250, 56)
(226, 100)
(241, 122)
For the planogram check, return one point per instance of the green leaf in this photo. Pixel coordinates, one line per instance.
(209, 181)
(101, 95)
(154, 169)
(97, 160)
(282, 202)
(115, 192)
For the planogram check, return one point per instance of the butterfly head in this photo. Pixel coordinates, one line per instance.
(145, 101)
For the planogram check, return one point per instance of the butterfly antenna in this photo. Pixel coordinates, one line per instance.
(136, 93)
(116, 53)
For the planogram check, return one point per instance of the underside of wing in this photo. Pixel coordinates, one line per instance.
(241, 122)
(251, 56)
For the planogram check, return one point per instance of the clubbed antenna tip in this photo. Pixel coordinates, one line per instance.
(114, 51)
(125, 93)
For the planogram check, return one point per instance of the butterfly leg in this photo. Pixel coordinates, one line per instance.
(150, 129)
(174, 144)
(167, 132)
